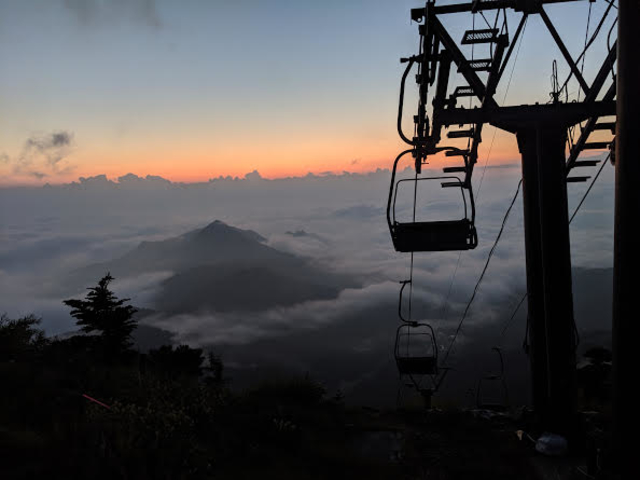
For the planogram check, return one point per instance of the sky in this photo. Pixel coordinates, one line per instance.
(197, 89)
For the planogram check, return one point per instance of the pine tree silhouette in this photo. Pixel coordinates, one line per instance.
(103, 312)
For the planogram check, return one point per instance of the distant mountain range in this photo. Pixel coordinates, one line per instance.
(222, 268)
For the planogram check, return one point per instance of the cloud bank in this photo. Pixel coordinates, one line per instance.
(336, 222)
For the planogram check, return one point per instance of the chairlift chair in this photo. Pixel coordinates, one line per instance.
(416, 355)
(432, 236)
(415, 349)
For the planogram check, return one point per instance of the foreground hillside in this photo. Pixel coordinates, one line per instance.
(73, 412)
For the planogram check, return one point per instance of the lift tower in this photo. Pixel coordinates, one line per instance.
(626, 263)
(541, 132)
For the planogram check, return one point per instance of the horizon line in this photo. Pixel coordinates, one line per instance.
(254, 175)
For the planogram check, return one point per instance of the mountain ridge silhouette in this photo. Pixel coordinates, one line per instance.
(222, 268)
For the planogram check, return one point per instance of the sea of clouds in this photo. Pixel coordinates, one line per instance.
(47, 232)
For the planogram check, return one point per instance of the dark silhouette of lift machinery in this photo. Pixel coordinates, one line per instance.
(416, 354)
(542, 132)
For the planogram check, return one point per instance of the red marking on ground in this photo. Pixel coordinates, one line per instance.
(96, 401)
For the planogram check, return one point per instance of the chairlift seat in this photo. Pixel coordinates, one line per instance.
(434, 236)
(417, 365)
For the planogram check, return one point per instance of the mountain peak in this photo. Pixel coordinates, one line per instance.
(219, 228)
(216, 223)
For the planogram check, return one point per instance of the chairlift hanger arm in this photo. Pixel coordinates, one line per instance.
(404, 320)
(498, 350)
(403, 82)
(393, 183)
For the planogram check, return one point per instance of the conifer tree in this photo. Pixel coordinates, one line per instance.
(101, 311)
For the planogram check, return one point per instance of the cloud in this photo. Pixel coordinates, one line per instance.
(49, 231)
(92, 12)
(43, 156)
(253, 176)
(242, 328)
(337, 222)
(378, 302)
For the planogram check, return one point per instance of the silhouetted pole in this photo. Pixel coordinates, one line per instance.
(535, 288)
(626, 251)
(548, 255)
(556, 274)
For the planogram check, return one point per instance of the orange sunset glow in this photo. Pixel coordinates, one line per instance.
(155, 100)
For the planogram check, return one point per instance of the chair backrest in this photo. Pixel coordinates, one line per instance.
(415, 349)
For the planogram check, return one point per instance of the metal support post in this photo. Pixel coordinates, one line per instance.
(626, 252)
(550, 314)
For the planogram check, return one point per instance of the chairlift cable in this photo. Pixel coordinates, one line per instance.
(515, 311)
(515, 60)
(455, 270)
(485, 19)
(615, 22)
(591, 40)
(473, 48)
(484, 270)
(495, 26)
(415, 197)
(584, 197)
(586, 39)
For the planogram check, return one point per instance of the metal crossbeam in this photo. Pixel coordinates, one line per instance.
(509, 118)
(519, 5)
